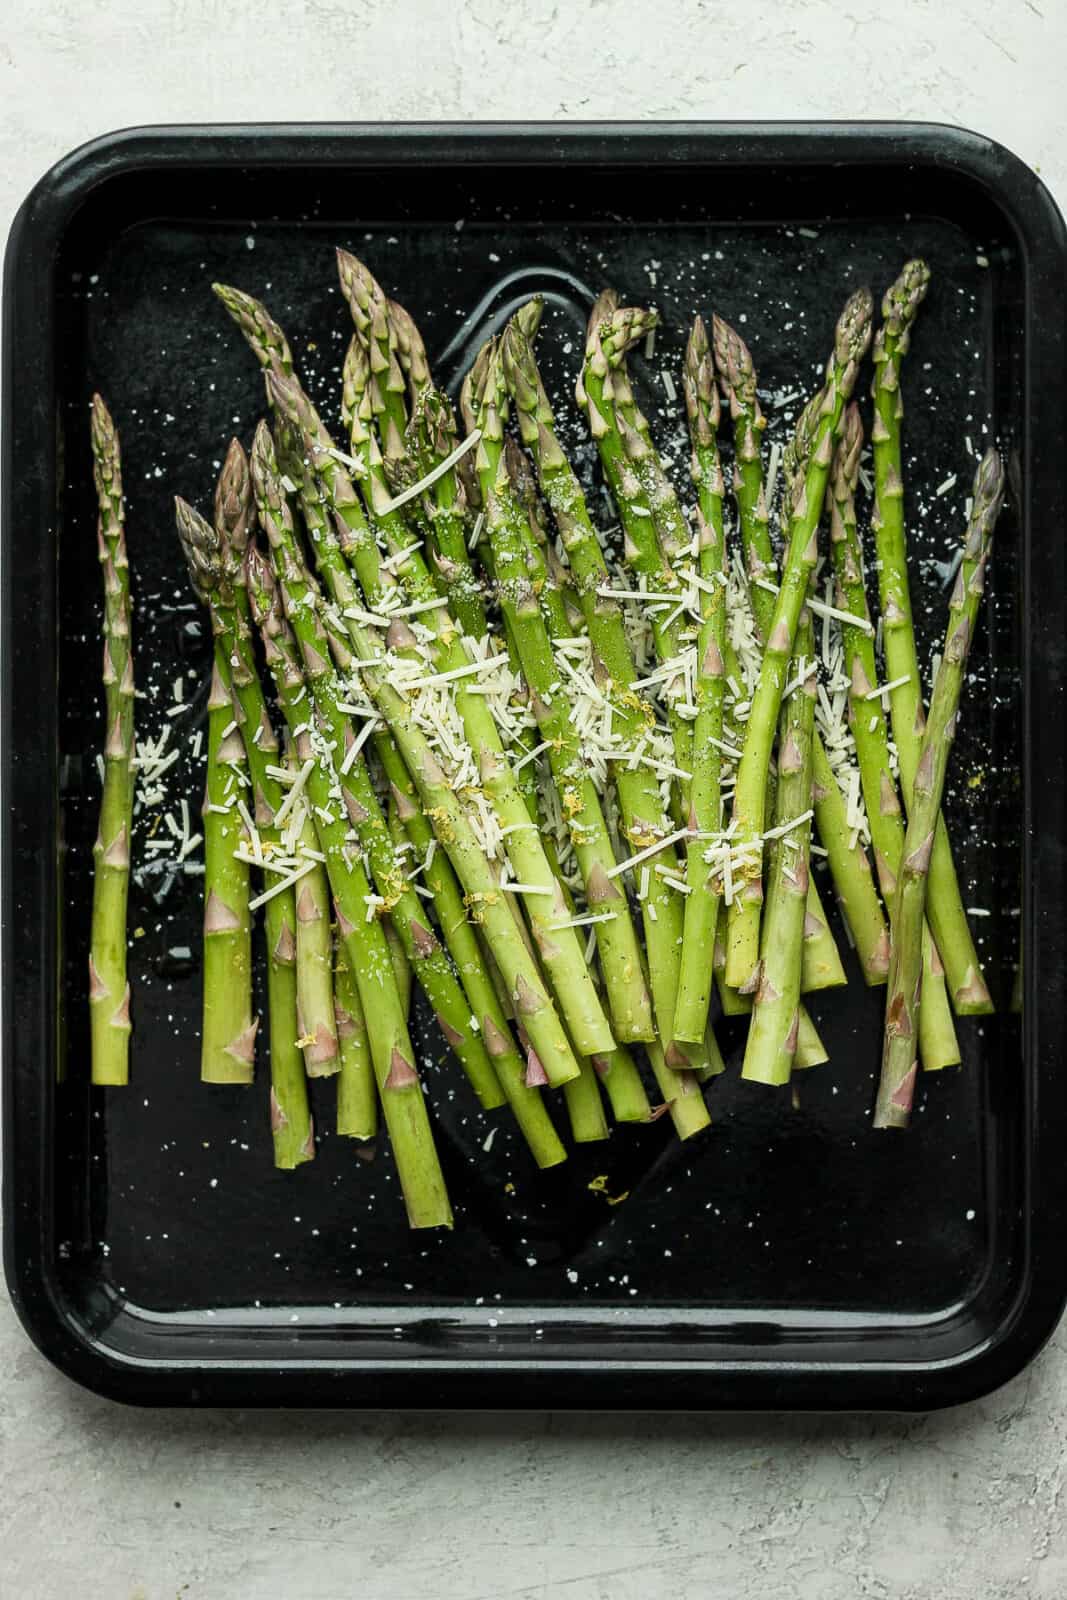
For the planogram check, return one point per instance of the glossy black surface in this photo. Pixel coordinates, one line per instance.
(791, 1256)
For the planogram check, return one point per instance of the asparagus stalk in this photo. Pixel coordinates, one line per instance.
(851, 340)
(644, 822)
(948, 920)
(109, 989)
(705, 805)
(291, 1124)
(315, 1014)
(421, 948)
(357, 1096)
(896, 1088)
(229, 1028)
(212, 563)
(227, 1051)
(937, 1036)
(847, 860)
(365, 945)
(401, 965)
(774, 1030)
(630, 1006)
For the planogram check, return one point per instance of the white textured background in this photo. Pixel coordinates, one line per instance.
(244, 1506)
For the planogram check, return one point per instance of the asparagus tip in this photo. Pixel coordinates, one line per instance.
(698, 382)
(904, 296)
(233, 501)
(528, 317)
(847, 455)
(853, 332)
(200, 546)
(410, 349)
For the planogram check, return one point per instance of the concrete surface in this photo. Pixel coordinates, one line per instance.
(245, 1506)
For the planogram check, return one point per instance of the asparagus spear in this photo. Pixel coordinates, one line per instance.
(229, 1030)
(630, 1006)
(948, 920)
(896, 1088)
(315, 1013)
(774, 1030)
(357, 1096)
(399, 1087)
(851, 340)
(643, 819)
(937, 1037)
(401, 965)
(847, 860)
(227, 1052)
(428, 960)
(211, 568)
(109, 989)
(705, 805)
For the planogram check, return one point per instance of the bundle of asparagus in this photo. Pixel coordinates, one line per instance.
(569, 790)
